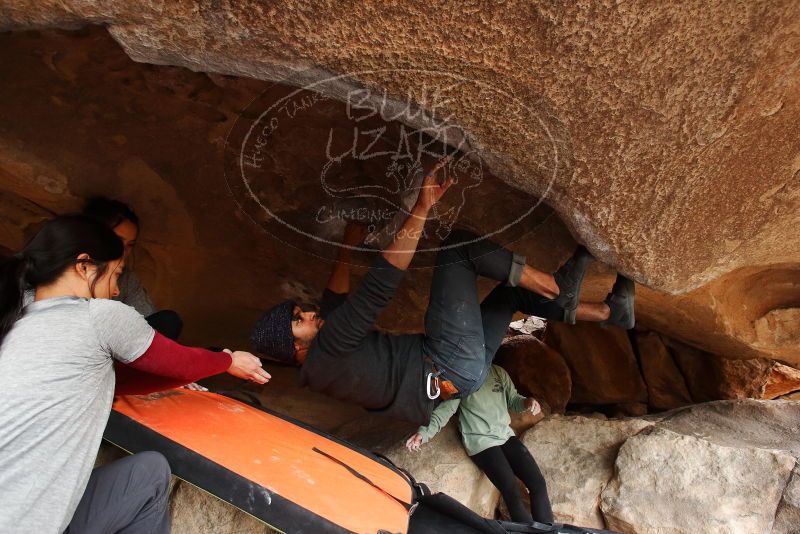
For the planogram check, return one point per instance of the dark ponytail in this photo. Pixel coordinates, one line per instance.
(48, 255)
(10, 292)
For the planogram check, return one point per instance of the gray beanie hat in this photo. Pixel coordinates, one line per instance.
(272, 334)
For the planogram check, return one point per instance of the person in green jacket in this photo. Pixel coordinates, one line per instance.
(485, 426)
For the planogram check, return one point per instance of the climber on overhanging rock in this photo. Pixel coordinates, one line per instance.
(340, 353)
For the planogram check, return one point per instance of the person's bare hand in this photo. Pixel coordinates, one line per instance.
(194, 386)
(247, 367)
(432, 188)
(533, 405)
(414, 442)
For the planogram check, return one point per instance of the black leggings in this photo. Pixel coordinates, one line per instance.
(503, 465)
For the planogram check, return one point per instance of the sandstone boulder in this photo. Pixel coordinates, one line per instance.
(601, 362)
(521, 422)
(193, 511)
(629, 409)
(771, 425)
(670, 482)
(537, 370)
(576, 456)
(787, 519)
(781, 380)
(729, 462)
(712, 377)
(635, 155)
(666, 387)
(134, 118)
(725, 466)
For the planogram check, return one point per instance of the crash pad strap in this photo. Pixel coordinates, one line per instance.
(533, 527)
(407, 506)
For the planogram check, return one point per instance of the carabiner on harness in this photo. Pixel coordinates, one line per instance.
(433, 377)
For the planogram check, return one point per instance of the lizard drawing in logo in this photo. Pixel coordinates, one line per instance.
(398, 189)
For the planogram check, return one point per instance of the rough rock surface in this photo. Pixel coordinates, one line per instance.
(669, 482)
(787, 518)
(726, 466)
(666, 387)
(82, 119)
(521, 422)
(537, 370)
(614, 90)
(193, 511)
(712, 377)
(602, 363)
(727, 316)
(642, 127)
(576, 456)
(771, 426)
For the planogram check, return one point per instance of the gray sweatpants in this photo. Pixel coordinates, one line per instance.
(128, 496)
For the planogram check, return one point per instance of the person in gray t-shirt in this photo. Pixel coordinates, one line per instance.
(57, 384)
(123, 220)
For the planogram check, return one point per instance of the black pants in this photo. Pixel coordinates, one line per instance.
(167, 323)
(504, 465)
(128, 496)
(462, 335)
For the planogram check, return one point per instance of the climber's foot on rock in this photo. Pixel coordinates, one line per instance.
(569, 278)
(621, 302)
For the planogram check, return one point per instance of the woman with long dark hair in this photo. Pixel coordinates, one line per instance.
(57, 385)
(125, 223)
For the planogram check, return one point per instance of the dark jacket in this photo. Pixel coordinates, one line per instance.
(350, 360)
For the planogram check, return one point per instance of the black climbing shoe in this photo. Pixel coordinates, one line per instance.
(621, 302)
(569, 278)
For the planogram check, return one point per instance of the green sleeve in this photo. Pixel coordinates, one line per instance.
(514, 400)
(440, 416)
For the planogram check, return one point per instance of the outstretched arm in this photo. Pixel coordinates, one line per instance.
(166, 365)
(349, 323)
(339, 281)
(400, 252)
(439, 418)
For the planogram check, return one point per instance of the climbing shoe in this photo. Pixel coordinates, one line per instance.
(569, 278)
(621, 302)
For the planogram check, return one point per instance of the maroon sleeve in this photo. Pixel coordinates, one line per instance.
(166, 364)
(129, 381)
